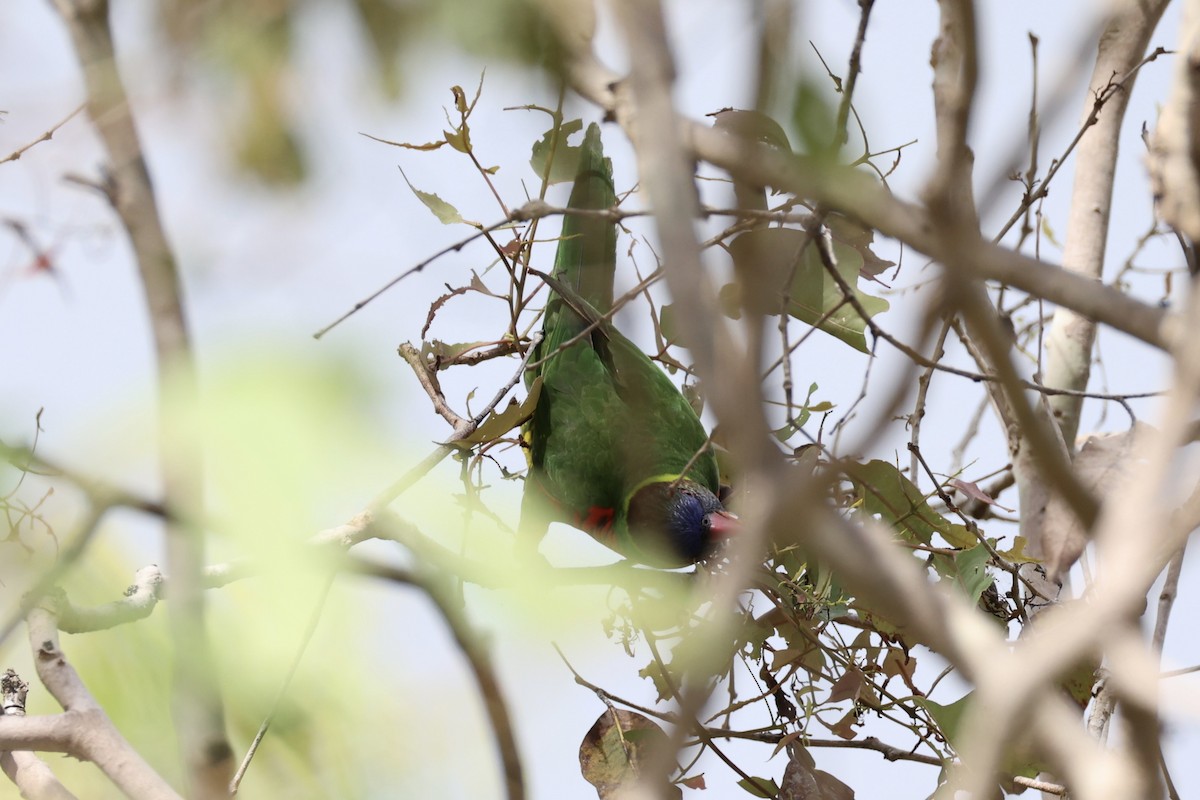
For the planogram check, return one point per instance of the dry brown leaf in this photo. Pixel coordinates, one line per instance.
(1104, 460)
(803, 781)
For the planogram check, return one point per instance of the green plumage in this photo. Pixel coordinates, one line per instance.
(611, 435)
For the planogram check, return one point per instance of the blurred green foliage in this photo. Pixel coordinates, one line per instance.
(252, 46)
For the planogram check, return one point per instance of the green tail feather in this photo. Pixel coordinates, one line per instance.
(587, 254)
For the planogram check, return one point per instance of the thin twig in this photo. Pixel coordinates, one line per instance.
(45, 137)
(309, 631)
(1166, 600)
(469, 642)
(855, 68)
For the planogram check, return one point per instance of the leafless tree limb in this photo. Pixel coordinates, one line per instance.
(196, 698)
(83, 729)
(1174, 161)
(45, 137)
(29, 773)
(470, 643)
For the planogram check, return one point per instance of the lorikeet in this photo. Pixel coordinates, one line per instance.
(615, 448)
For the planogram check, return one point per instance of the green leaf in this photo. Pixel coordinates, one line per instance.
(445, 212)
(752, 125)
(729, 298)
(968, 570)
(959, 536)
(947, 717)
(752, 786)
(814, 119)
(849, 233)
(776, 259)
(883, 490)
(1048, 232)
(806, 410)
(1080, 680)
(666, 322)
(754, 634)
(654, 672)
(566, 157)
(1018, 759)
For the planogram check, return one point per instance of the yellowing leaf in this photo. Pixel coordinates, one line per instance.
(499, 423)
(446, 213)
(460, 139)
(460, 97)
(423, 147)
(616, 748)
(1017, 554)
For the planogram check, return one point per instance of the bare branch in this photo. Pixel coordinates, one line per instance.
(27, 771)
(83, 730)
(1121, 48)
(469, 642)
(1174, 159)
(45, 137)
(200, 716)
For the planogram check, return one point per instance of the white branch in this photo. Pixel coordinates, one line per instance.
(1175, 149)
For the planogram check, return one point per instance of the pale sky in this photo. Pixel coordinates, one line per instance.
(264, 269)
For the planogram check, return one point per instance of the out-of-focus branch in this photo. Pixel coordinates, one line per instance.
(102, 497)
(955, 73)
(79, 540)
(1128, 567)
(859, 196)
(25, 769)
(83, 730)
(1040, 456)
(469, 641)
(1121, 46)
(1053, 537)
(99, 492)
(1175, 148)
(1166, 598)
(730, 373)
(196, 699)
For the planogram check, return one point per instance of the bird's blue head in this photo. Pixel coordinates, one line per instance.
(678, 523)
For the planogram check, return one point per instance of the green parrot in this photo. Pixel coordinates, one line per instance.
(614, 447)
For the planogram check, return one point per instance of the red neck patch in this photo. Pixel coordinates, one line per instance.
(598, 521)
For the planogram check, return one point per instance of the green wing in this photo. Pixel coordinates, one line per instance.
(607, 419)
